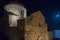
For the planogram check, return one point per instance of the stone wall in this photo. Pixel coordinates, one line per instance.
(35, 27)
(30, 28)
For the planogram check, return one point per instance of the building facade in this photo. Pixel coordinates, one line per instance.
(15, 11)
(35, 27)
(32, 27)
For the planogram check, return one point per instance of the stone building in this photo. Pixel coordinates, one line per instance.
(15, 11)
(32, 27)
(35, 27)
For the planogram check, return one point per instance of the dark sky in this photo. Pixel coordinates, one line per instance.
(49, 8)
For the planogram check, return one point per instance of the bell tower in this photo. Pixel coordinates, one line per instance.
(15, 12)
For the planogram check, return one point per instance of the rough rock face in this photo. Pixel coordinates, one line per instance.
(35, 27)
(30, 28)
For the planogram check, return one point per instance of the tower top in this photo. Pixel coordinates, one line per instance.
(15, 8)
(16, 11)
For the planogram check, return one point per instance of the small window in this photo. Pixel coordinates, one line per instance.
(39, 25)
(22, 12)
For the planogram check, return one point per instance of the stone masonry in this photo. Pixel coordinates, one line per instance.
(33, 27)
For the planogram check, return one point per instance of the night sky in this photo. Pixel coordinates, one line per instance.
(49, 8)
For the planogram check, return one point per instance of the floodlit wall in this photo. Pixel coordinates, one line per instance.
(35, 27)
(15, 12)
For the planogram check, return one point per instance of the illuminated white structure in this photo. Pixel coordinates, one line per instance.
(16, 12)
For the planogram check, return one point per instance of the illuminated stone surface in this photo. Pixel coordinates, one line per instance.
(16, 12)
(30, 28)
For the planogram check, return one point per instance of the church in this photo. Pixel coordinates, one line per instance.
(23, 27)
